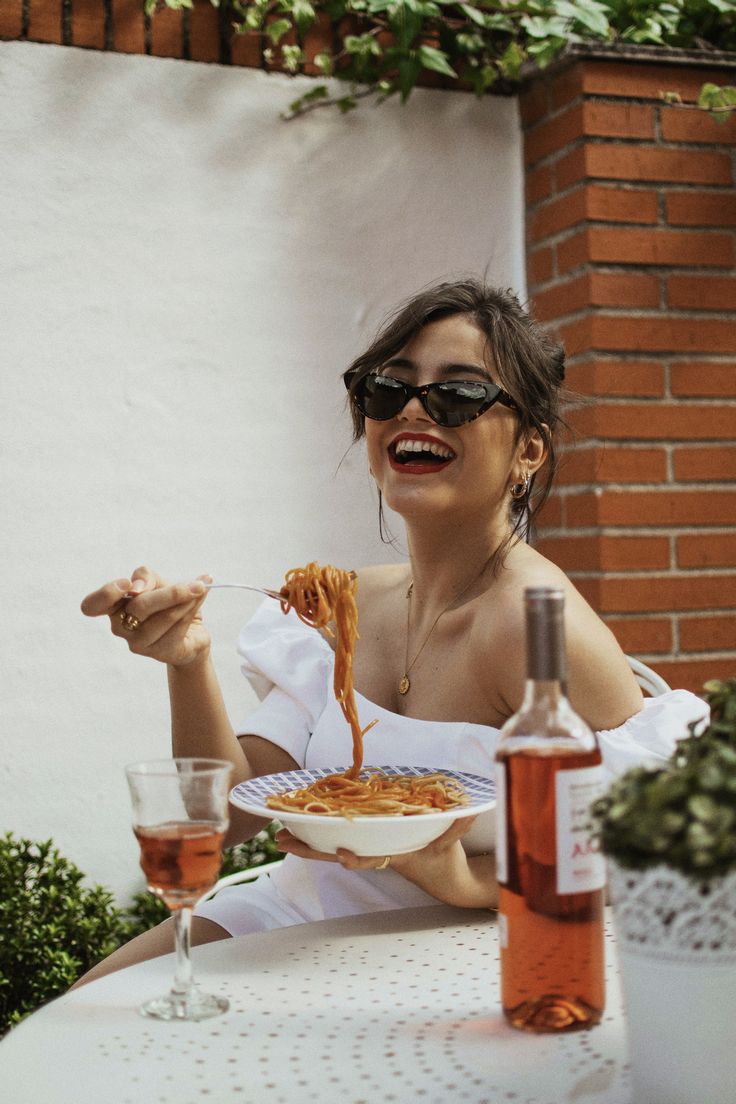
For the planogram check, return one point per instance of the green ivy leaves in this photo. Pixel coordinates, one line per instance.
(381, 48)
(719, 101)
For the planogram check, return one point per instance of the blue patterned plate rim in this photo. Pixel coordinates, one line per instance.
(251, 795)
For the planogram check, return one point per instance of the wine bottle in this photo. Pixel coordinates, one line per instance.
(551, 873)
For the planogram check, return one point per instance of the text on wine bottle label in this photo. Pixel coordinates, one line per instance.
(580, 864)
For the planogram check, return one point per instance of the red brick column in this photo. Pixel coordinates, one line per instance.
(630, 217)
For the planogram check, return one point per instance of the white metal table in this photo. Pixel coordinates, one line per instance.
(390, 1007)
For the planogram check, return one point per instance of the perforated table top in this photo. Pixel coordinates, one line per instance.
(394, 1007)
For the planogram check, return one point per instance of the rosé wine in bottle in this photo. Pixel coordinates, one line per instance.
(551, 875)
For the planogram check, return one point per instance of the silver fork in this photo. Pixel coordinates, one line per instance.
(259, 590)
(245, 586)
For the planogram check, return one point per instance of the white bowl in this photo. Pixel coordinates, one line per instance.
(366, 835)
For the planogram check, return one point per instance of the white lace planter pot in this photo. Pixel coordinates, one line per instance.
(677, 952)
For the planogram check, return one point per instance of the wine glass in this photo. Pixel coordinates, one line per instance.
(180, 815)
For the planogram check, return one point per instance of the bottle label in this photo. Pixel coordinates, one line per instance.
(501, 830)
(580, 864)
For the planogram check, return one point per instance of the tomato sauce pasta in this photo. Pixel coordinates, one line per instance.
(321, 597)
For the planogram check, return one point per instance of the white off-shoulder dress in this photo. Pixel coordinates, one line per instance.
(290, 666)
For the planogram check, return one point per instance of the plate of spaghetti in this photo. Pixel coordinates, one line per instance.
(386, 810)
(368, 810)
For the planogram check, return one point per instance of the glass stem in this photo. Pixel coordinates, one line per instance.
(182, 935)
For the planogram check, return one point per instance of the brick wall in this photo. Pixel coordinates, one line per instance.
(631, 212)
(203, 33)
(630, 221)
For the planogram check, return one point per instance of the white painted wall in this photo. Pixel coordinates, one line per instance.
(169, 249)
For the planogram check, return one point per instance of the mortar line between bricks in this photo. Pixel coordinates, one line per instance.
(695, 615)
(639, 313)
(685, 657)
(612, 226)
(715, 360)
(647, 531)
(680, 574)
(109, 25)
(666, 187)
(695, 486)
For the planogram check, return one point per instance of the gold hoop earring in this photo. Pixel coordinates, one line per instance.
(519, 491)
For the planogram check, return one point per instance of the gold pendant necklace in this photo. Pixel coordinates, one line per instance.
(405, 682)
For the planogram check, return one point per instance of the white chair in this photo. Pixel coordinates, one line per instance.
(650, 682)
(250, 875)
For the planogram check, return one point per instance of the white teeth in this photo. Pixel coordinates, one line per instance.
(424, 446)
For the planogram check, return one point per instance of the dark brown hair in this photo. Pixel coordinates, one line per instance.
(529, 365)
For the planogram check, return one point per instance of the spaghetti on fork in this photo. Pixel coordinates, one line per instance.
(322, 597)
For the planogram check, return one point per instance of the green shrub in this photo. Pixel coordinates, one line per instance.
(52, 927)
(682, 814)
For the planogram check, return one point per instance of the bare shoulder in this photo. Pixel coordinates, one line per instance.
(381, 580)
(601, 685)
(499, 630)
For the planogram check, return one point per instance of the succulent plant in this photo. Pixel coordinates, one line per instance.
(684, 813)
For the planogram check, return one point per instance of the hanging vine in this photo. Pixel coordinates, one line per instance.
(382, 48)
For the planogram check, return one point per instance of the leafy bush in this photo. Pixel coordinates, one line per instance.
(53, 928)
(682, 814)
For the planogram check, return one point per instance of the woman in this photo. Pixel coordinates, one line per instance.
(458, 398)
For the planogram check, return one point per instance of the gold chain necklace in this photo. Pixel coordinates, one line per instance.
(404, 681)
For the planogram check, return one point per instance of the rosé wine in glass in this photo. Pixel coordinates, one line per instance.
(180, 816)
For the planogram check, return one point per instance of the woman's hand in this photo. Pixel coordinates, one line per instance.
(153, 617)
(293, 846)
(441, 868)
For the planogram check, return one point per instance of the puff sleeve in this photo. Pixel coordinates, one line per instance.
(648, 738)
(289, 665)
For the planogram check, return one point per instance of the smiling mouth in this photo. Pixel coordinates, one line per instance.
(419, 456)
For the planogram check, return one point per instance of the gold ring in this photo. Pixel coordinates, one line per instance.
(384, 864)
(130, 622)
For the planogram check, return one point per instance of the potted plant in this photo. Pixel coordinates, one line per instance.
(670, 838)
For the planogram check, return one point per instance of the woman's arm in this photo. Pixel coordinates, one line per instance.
(200, 726)
(169, 628)
(444, 871)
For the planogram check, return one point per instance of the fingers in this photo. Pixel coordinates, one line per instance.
(152, 601)
(107, 599)
(149, 580)
(144, 632)
(293, 846)
(362, 862)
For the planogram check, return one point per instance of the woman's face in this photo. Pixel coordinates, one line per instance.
(466, 468)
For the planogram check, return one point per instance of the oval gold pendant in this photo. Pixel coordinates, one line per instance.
(404, 684)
